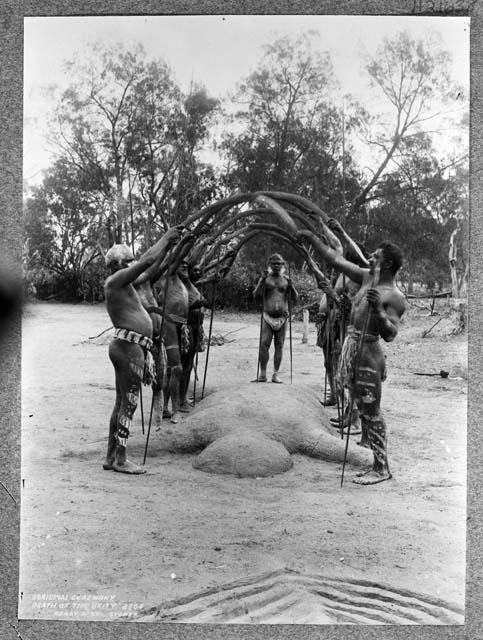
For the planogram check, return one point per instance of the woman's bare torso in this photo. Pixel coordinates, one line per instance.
(275, 301)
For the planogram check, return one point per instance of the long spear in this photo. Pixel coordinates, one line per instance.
(330, 356)
(196, 373)
(375, 280)
(260, 336)
(161, 345)
(132, 249)
(211, 326)
(290, 321)
(141, 407)
(341, 339)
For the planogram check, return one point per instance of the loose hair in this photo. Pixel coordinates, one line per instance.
(393, 253)
(277, 257)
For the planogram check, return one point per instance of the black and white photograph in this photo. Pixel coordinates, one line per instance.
(245, 267)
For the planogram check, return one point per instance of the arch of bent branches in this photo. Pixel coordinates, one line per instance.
(216, 233)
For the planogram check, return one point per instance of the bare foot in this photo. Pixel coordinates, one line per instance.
(373, 477)
(276, 379)
(123, 465)
(175, 417)
(128, 467)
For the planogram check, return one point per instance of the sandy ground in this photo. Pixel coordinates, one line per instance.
(180, 544)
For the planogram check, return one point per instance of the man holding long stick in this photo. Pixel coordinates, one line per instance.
(276, 290)
(376, 311)
(130, 350)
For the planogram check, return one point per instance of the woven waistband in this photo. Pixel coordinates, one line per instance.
(355, 333)
(131, 336)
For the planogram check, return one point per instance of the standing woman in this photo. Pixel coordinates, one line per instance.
(275, 290)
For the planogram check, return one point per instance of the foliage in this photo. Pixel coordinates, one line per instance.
(288, 137)
(126, 170)
(132, 135)
(236, 290)
(410, 74)
(418, 206)
(61, 224)
(132, 152)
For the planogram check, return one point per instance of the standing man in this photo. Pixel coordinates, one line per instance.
(380, 304)
(276, 291)
(194, 322)
(130, 350)
(347, 290)
(327, 339)
(196, 314)
(144, 287)
(176, 335)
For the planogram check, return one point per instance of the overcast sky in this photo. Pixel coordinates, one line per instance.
(216, 51)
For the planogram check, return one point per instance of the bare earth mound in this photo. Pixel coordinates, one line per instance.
(246, 455)
(250, 430)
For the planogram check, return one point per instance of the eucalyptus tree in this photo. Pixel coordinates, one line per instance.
(412, 78)
(126, 126)
(419, 204)
(62, 248)
(287, 132)
(287, 135)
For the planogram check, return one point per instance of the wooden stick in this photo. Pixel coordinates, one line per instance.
(290, 321)
(211, 329)
(141, 407)
(161, 344)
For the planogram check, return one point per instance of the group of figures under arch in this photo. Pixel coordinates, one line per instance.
(156, 306)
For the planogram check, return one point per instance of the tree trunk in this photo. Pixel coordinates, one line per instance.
(463, 282)
(453, 256)
(305, 332)
(410, 278)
